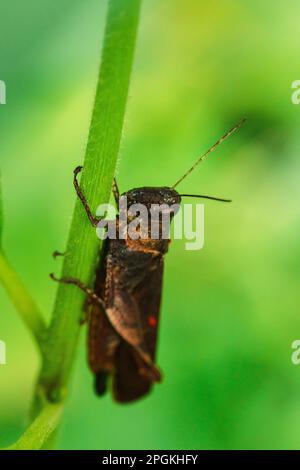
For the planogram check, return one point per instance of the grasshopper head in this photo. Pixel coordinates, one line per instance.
(152, 195)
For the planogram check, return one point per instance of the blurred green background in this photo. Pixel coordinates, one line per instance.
(230, 311)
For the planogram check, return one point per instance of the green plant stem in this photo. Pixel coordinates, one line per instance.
(22, 300)
(83, 248)
(82, 253)
(41, 429)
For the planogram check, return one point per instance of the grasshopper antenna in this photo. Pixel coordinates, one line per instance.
(211, 149)
(206, 197)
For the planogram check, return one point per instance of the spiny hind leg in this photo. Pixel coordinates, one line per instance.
(116, 192)
(76, 282)
(94, 220)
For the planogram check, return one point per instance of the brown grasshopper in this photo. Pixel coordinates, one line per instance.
(124, 304)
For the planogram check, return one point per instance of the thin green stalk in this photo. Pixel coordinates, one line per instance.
(41, 429)
(82, 253)
(83, 246)
(22, 300)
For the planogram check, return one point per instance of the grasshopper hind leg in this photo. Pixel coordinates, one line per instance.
(101, 382)
(76, 282)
